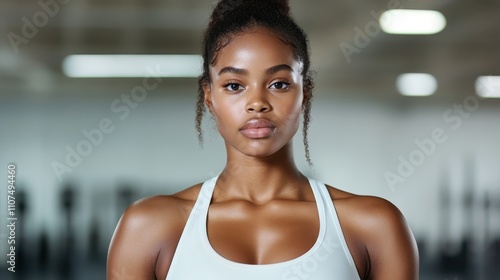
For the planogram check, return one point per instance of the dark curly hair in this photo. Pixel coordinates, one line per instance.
(231, 17)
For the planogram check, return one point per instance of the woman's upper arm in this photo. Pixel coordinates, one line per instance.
(136, 244)
(131, 251)
(392, 250)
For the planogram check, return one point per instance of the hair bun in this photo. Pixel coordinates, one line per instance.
(226, 6)
(281, 5)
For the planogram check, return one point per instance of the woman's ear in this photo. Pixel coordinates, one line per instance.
(305, 96)
(307, 87)
(207, 90)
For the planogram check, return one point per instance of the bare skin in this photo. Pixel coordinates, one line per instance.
(260, 195)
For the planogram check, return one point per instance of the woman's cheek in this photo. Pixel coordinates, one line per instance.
(224, 117)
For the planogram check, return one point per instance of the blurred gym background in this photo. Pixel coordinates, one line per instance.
(86, 147)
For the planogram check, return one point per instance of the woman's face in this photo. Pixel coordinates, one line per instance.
(256, 93)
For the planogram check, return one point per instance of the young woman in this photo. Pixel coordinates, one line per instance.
(260, 218)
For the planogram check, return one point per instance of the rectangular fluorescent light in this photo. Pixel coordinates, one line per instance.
(131, 66)
(488, 86)
(413, 22)
(416, 84)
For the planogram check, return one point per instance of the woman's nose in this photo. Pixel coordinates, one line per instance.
(257, 101)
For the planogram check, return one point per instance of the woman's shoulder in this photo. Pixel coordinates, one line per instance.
(368, 211)
(376, 232)
(157, 208)
(158, 218)
(148, 232)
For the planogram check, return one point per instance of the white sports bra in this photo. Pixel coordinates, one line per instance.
(329, 258)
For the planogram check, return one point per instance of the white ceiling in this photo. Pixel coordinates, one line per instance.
(467, 48)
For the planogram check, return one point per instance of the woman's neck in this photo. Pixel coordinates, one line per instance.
(260, 179)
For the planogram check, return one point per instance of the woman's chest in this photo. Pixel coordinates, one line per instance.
(275, 233)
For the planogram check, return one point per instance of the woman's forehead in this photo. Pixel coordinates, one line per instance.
(256, 48)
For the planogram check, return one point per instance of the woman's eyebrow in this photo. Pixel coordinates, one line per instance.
(244, 72)
(278, 68)
(233, 70)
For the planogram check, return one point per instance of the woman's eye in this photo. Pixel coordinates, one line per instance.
(280, 85)
(233, 87)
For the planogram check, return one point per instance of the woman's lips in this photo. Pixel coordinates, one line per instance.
(258, 128)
